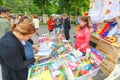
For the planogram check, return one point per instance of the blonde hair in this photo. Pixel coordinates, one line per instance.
(25, 28)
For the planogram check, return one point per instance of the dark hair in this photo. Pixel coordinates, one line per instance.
(2, 9)
(25, 28)
(85, 19)
(35, 16)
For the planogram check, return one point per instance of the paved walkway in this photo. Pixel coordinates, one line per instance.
(44, 29)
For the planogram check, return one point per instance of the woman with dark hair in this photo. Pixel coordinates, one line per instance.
(83, 35)
(13, 61)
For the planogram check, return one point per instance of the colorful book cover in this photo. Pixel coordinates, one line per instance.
(45, 75)
(40, 72)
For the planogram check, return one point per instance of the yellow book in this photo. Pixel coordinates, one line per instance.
(45, 75)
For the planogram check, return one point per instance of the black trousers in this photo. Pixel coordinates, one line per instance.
(67, 35)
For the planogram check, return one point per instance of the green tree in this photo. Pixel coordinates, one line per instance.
(70, 7)
(79, 6)
(15, 6)
(20, 6)
(42, 4)
(1, 2)
(64, 6)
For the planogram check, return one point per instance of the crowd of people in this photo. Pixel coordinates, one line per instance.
(82, 30)
(59, 22)
(16, 45)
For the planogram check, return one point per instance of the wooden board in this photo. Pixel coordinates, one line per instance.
(110, 51)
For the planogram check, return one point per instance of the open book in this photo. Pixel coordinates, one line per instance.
(44, 49)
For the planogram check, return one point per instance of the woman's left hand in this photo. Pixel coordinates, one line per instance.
(36, 47)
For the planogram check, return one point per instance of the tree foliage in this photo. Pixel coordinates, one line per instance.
(70, 7)
(79, 6)
(1, 2)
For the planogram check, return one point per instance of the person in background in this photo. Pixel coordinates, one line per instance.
(66, 26)
(36, 23)
(13, 61)
(58, 22)
(77, 22)
(4, 22)
(51, 24)
(17, 18)
(83, 35)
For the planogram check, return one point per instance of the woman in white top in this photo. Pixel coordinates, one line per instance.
(36, 23)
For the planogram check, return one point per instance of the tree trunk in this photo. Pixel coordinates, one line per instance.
(43, 7)
(76, 12)
(68, 7)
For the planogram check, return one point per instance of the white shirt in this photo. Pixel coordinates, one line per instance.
(36, 22)
(23, 42)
